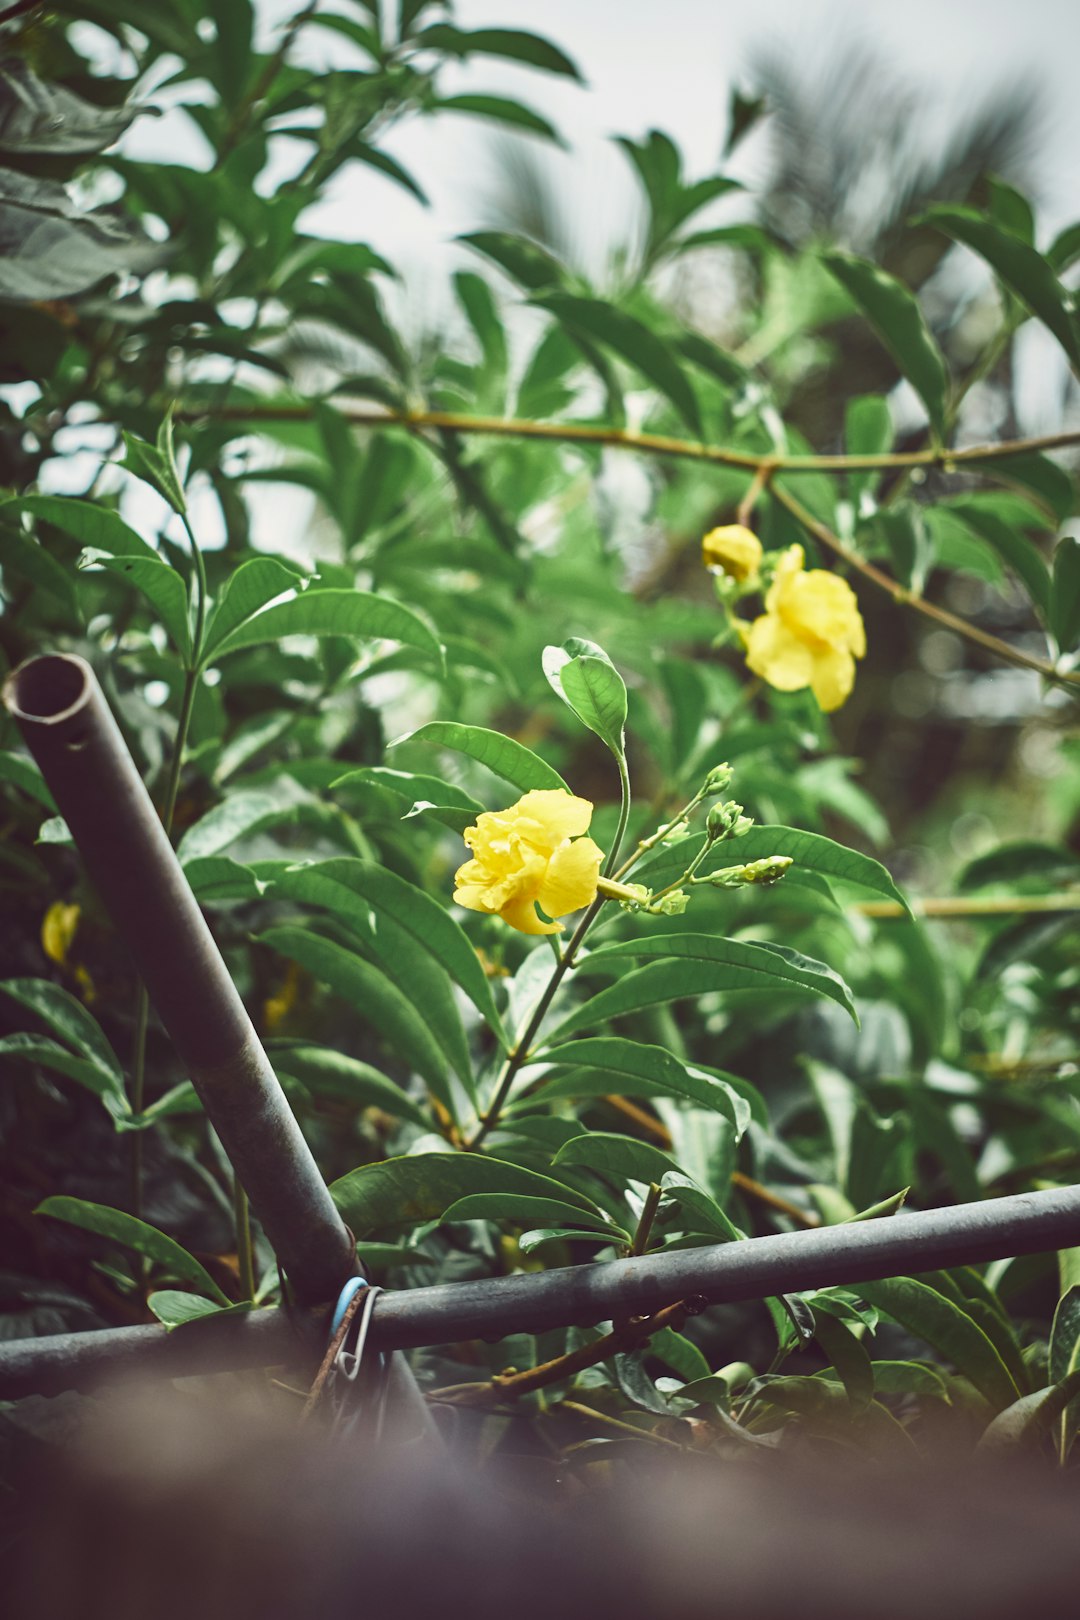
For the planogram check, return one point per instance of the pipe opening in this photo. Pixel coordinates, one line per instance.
(47, 689)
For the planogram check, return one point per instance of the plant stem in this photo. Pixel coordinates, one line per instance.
(908, 598)
(516, 1058)
(244, 1252)
(511, 1386)
(1009, 905)
(647, 443)
(648, 1215)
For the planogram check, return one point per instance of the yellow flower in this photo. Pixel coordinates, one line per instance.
(58, 929)
(734, 550)
(532, 852)
(810, 633)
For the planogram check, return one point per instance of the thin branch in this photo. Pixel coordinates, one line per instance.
(959, 906)
(509, 427)
(908, 598)
(511, 1386)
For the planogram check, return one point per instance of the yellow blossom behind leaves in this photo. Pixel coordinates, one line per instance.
(533, 852)
(734, 550)
(810, 633)
(58, 929)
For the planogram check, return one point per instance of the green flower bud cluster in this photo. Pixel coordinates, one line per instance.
(726, 821)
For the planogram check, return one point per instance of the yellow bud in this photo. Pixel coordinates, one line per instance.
(734, 550)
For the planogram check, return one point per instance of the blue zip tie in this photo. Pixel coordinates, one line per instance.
(350, 1288)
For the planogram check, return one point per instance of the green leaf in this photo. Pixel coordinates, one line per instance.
(584, 677)
(1065, 597)
(868, 431)
(131, 1233)
(411, 787)
(535, 1239)
(909, 541)
(240, 814)
(511, 44)
(1065, 249)
(508, 759)
(327, 1073)
(1065, 1356)
(1018, 265)
(605, 1064)
(173, 1308)
(1013, 547)
(524, 1210)
(406, 1191)
(214, 878)
(930, 1316)
(523, 261)
(503, 111)
(633, 342)
(400, 952)
(51, 1055)
(353, 614)
(69, 1019)
(368, 989)
(617, 1158)
(848, 1357)
(750, 964)
(1029, 1420)
(162, 586)
(252, 585)
(893, 311)
(706, 1215)
(21, 770)
(332, 883)
(155, 464)
(49, 120)
(1050, 484)
(23, 557)
(806, 849)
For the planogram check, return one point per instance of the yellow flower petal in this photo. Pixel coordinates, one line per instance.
(521, 914)
(733, 549)
(571, 877)
(533, 851)
(559, 814)
(833, 678)
(778, 656)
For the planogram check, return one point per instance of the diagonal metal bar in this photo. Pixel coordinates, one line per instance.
(581, 1296)
(62, 713)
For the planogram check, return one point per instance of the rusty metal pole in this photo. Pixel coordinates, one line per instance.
(63, 716)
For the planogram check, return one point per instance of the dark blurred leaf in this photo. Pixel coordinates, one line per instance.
(893, 311)
(1018, 265)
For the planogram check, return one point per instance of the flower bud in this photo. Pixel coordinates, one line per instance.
(718, 779)
(726, 821)
(733, 550)
(767, 871)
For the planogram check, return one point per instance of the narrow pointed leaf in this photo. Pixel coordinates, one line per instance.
(511, 760)
(131, 1233)
(406, 1191)
(893, 311)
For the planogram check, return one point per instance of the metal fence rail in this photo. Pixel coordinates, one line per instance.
(62, 713)
(490, 1308)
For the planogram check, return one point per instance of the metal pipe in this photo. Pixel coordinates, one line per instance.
(581, 1296)
(68, 727)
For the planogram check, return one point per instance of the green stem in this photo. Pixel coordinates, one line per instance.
(624, 815)
(244, 1251)
(516, 1058)
(648, 1215)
